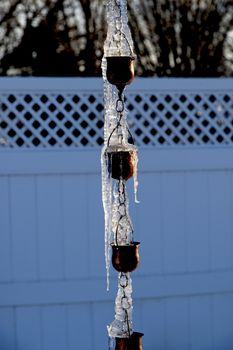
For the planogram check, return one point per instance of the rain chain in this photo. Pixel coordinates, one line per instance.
(119, 160)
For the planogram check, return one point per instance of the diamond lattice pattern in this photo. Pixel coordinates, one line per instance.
(182, 119)
(52, 120)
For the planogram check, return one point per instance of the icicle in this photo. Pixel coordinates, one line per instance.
(109, 124)
(107, 204)
(110, 343)
(135, 177)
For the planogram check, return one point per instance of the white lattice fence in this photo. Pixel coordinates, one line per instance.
(55, 113)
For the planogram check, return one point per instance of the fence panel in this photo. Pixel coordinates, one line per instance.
(40, 113)
(52, 274)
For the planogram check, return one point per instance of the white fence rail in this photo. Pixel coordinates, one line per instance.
(68, 113)
(52, 275)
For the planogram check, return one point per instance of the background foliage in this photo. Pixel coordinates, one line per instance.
(65, 37)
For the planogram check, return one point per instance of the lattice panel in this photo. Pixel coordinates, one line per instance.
(52, 120)
(181, 118)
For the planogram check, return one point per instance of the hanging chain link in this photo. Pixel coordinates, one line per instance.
(122, 197)
(125, 302)
(120, 107)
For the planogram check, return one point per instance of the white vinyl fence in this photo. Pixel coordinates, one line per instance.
(52, 274)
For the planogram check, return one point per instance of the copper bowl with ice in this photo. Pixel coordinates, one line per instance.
(121, 164)
(125, 258)
(132, 343)
(120, 70)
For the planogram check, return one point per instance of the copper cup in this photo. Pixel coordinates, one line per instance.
(120, 70)
(125, 258)
(132, 343)
(120, 165)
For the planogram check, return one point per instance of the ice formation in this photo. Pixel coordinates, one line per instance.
(118, 225)
(122, 326)
(119, 41)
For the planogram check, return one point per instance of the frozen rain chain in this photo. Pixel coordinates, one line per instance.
(119, 163)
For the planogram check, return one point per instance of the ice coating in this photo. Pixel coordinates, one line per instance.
(115, 139)
(118, 225)
(110, 113)
(122, 228)
(122, 326)
(119, 41)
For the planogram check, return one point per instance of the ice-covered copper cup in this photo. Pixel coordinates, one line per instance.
(120, 70)
(132, 343)
(121, 161)
(125, 258)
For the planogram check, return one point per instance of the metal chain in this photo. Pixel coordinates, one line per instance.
(123, 286)
(122, 203)
(120, 107)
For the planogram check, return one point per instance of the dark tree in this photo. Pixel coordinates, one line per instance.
(61, 37)
(65, 37)
(184, 37)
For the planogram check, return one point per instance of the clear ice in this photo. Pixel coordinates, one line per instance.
(118, 225)
(122, 326)
(119, 40)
